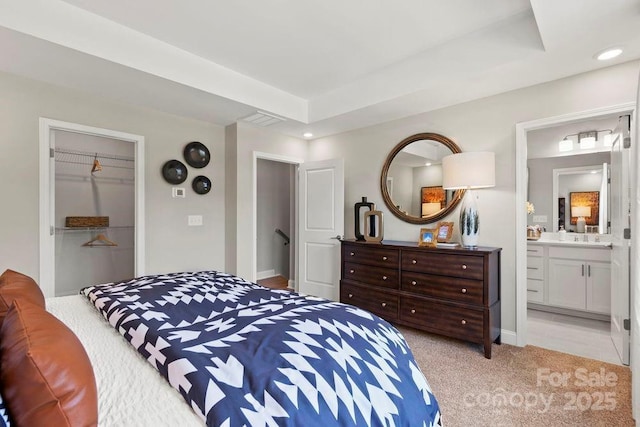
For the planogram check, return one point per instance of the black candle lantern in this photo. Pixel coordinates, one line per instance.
(359, 218)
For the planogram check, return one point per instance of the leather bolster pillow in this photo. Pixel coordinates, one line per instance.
(46, 377)
(14, 285)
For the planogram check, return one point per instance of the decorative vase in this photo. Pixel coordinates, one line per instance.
(370, 226)
(469, 220)
(359, 219)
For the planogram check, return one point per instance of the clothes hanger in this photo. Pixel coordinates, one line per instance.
(100, 240)
(97, 167)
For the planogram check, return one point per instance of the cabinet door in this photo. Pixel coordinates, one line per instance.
(599, 287)
(567, 283)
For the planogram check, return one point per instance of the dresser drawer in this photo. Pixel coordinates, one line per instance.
(371, 255)
(375, 276)
(451, 288)
(468, 267)
(535, 268)
(447, 319)
(379, 302)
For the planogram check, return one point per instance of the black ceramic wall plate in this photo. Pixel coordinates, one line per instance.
(196, 154)
(174, 172)
(201, 184)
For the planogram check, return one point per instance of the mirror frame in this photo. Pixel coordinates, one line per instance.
(457, 196)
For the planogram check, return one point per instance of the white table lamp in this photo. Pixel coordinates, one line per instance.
(468, 171)
(581, 212)
(430, 208)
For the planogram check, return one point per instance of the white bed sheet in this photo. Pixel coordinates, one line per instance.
(130, 391)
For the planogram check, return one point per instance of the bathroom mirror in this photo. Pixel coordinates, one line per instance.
(411, 179)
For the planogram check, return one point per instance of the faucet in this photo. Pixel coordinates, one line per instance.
(585, 238)
(575, 239)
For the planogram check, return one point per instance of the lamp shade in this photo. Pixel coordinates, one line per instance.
(430, 208)
(581, 211)
(469, 170)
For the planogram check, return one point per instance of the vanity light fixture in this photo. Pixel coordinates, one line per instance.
(608, 139)
(608, 54)
(588, 139)
(565, 145)
(428, 164)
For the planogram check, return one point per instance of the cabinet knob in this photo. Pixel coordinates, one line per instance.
(351, 271)
(464, 290)
(413, 282)
(413, 311)
(464, 322)
(384, 258)
(414, 261)
(384, 277)
(351, 253)
(384, 304)
(464, 266)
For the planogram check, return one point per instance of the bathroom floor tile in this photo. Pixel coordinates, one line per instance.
(574, 335)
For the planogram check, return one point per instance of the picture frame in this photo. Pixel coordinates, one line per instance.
(428, 237)
(585, 198)
(444, 231)
(430, 196)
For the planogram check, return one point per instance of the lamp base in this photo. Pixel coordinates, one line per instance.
(469, 220)
(580, 225)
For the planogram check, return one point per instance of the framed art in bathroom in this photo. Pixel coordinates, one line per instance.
(590, 199)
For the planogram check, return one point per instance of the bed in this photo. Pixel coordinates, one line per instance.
(213, 348)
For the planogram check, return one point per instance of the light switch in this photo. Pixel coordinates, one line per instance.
(178, 192)
(194, 220)
(539, 218)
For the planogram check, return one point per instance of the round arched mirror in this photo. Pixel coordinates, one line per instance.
(411, 179)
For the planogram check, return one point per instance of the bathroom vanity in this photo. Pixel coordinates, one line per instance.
(571, 276)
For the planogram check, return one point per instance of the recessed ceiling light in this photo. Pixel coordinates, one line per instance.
(427, 164)
(608, 54)
(307, 134)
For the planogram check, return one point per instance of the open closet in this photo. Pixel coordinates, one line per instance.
(94, 210)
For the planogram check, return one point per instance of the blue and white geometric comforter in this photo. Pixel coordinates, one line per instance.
(241, 354)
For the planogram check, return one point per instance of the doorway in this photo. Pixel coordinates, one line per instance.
(53, 235)
(523, 131)
(275, 216)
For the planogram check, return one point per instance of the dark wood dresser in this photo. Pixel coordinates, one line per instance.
(447, 291)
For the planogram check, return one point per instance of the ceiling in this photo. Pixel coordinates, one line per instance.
(323, 66)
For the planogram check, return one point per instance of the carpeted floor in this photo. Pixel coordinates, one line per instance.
(527, 386)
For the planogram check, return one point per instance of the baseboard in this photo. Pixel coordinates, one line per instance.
(265, 274)
(292, 285)
(508, 337)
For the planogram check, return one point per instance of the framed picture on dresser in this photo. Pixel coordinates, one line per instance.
(445, 231)
(428, 237)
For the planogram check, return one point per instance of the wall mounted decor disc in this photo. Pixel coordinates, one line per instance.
(201, 184)
(174, 172)
(196, 154)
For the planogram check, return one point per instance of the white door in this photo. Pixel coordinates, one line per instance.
(620, 190)
(321, 222)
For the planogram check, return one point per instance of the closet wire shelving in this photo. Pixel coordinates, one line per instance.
(88, 158)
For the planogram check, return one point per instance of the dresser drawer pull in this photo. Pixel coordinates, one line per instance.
(413, 311)
(351, 253)
(350, 295)
(413, 282)
(352, 271)
(464, 290)
(384, 258)
(414, 261)
(384, 304)
(384, 277)
(532, 290)
(464, 266)
(464, 322)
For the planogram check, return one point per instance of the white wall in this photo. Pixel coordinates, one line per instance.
(170, 244)
(273, 201)
(483, 125)
(245, 140)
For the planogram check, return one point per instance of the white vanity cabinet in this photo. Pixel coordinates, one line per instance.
(580, 278)
(535, 274)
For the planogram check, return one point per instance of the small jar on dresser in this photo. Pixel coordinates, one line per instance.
(447, 291)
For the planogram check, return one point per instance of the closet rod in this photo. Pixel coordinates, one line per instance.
(91, 162)
(93, 155)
